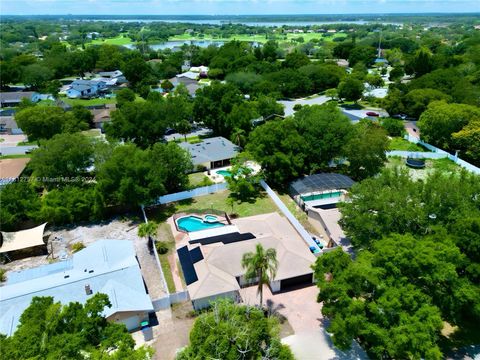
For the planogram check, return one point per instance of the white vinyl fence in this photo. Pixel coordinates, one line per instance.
(201, 191)
(454, 158)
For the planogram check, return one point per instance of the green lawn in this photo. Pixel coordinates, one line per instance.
(89, 102)
(118, 40)
(198, 180)
(164, 234)
(15, 156)
(431, 165)
(398, 143)
(26, 143)
(258, 37)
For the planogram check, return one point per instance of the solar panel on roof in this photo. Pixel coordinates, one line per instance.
(189, 272)
(196, 255)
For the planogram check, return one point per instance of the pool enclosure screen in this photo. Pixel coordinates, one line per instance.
(319, 183)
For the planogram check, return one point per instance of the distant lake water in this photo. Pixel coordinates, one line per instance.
(175, 43)
(253, 23)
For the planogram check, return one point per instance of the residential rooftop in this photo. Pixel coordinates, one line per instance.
(106, 266)
(212, 149)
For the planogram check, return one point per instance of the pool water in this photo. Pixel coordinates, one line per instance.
(322, 196)
(224, 173)
(194, 223)
(210, 218)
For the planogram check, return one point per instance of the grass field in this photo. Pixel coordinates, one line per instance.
(199, 180)
(118, 40)
(259, 37)
(397, 143)
(89, 102)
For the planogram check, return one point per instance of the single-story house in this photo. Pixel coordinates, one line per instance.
(9, 126)
(106, 266)
(192, 85)
(211, 153)
(202, 70)
(11, 169)
(320, 190)
(189, 75)
(112, 77)
(213, 268)
(85, 88)
(102, 116)
(8, 99)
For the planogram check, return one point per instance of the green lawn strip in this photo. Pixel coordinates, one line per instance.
(445, 165)
(180, 273)
(27, 143)
(397, 143)
(167, 272)
(15, 156)
(164, 234)
(299, 214)
(89, 102)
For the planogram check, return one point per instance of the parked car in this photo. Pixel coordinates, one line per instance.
(170, 131)
(372, 113)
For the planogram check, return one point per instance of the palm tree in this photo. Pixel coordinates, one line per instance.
(262, 265)
(147, 229)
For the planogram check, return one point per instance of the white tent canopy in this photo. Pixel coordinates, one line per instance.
(22, 239)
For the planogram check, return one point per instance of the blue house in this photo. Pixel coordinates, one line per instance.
(85, 88)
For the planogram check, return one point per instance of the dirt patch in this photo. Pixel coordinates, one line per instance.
(173, 333)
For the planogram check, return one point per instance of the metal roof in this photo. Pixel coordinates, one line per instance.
(107, 266)
(321, 182)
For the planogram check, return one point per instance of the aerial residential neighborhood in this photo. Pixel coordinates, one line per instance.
(282, 180)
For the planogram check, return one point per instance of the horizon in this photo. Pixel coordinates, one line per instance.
(235, 7)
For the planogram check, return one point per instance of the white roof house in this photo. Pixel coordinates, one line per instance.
(106, 266)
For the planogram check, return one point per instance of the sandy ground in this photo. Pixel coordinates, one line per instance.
(61, 240)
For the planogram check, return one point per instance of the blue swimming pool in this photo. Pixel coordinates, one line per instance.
(194, 223)
(224, 173)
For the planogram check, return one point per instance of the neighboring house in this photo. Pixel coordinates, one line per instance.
(320, 190)
(10, 99)
(189, 75)
(212, 265)
(106, 266)
(114, 77)
(102, 116)
(211, 153)
(11, 170)
(9, 125)
(85, 89)
(191, 85)
(202, 70)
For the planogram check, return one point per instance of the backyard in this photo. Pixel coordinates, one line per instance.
(431, 165)
(398, 143)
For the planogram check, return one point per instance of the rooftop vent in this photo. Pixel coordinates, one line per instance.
(88, 290)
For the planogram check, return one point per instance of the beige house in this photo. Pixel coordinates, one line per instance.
(216, 269)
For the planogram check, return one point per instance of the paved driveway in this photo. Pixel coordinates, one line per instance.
(289, 104)
(304, 313)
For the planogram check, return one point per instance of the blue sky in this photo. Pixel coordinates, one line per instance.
(234, 7)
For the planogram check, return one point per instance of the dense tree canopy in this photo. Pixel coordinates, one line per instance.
(50, 330)
(229, 331)
(62, 159)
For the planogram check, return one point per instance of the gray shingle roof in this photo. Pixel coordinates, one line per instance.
(6, 97)
(213, 149)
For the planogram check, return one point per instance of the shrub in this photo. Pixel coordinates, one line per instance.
(162, 247)
(3, 277)
(76, 247)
